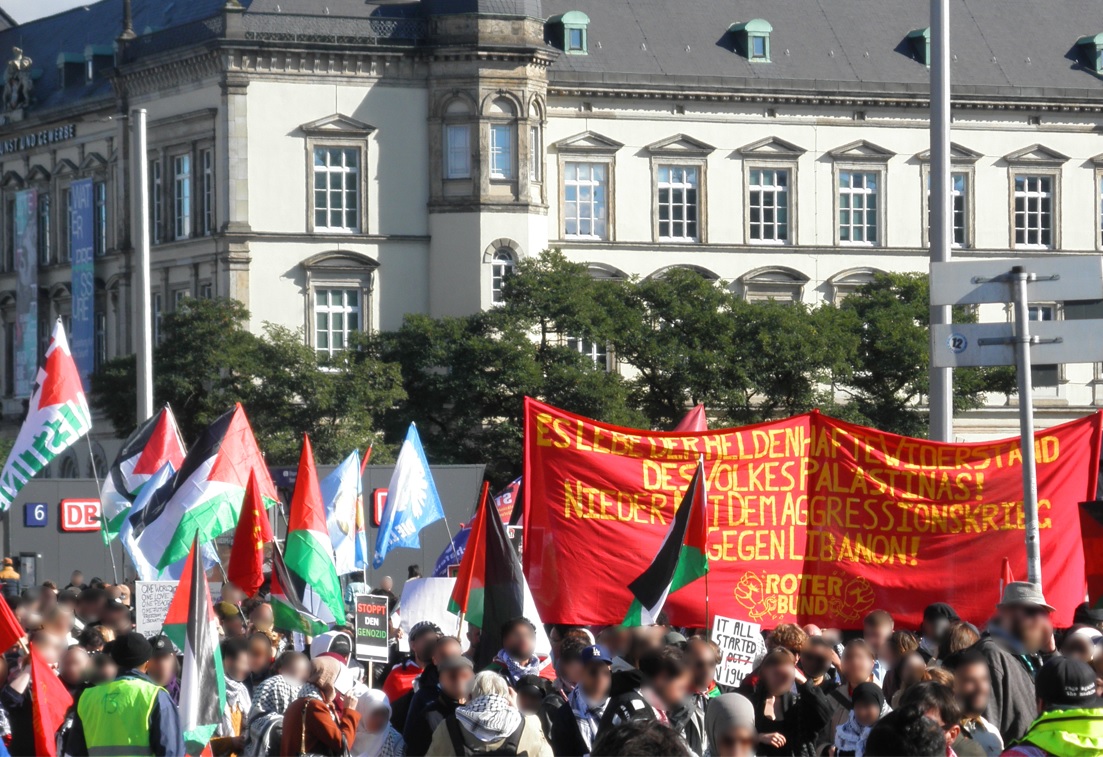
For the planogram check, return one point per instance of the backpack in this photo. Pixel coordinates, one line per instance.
(463, 743)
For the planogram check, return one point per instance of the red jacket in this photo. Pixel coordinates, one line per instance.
(400, 680)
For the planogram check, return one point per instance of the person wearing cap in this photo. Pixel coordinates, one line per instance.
(454, 675)
(868, 706)
(574, 727)
(1082, 642)
(1011, 645)
(1070, 714)
(400, 679)
(518, 657)
(1086, 615)
(233, 622)
(937, 618)
(164, 668)
(130, 715)
(426, 685)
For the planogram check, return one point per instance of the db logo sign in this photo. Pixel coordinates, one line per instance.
(80, 515)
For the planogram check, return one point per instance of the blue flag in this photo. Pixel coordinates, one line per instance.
(452, 554)
(412, 500)
(342, 492)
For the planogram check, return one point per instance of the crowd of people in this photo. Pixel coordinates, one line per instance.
(1018, 687)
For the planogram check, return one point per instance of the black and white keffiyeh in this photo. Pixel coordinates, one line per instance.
(489, 718)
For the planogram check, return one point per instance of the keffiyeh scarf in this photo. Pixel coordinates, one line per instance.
(271, 699)
(489, 718)
(516, 670)
(587, 716)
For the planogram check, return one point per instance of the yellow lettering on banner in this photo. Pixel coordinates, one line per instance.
(591, 503)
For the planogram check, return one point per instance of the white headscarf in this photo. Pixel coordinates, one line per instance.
(370, 744)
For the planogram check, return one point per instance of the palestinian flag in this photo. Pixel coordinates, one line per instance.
(681, 559)
(205, 496)
(156, 441)
(306, 592)
(57, 416)
(192, 626)
(490, 588)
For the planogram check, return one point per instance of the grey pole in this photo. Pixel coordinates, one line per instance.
(139, 220)
(1018, 279)
(941, 231)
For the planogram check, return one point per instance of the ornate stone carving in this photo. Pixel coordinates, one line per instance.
(18, 85)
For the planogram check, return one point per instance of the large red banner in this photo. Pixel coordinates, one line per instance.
(811, 519)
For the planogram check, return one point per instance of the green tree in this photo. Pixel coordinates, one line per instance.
(208, 360)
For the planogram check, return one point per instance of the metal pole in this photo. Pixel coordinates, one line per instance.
(139, 220)
(941, 231)
(1019, 279)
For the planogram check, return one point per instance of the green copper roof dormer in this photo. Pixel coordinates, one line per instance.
(752, 39)
(570, 32)
(920, 40)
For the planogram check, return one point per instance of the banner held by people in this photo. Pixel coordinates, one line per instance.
(811, 519)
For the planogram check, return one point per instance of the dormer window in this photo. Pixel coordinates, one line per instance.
(752, 38)
(98, 58)
(569, 32)
(1092, 50)
(920, 41)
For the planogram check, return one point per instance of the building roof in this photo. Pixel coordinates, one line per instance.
(1007, 47)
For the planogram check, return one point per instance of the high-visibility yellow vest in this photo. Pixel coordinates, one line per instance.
(115, 717)
(1068, 733)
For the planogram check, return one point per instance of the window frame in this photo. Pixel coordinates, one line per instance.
(355, 294)
(156, 198)
(881, 171)
(207, 194)
(449, 174)
(101, 211)
(493, 128)
(497, 261)
(183, 195)
(360, 145)
(1046, 391)
(667, 161)
(1054, 176)
(759, 164)
(595, 353)
(46, 245)
(967, 169)
(608, 165)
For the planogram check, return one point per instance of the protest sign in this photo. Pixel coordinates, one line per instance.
(740, 645)
(811, 520)
(373, 629)
(151, 605)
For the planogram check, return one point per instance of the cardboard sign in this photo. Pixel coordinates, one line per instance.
(741, 644)
(80, 515)
(151, 605)
(373, 628)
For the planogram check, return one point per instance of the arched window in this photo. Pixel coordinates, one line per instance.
(457, 139)
(501, 268)
(503, 139)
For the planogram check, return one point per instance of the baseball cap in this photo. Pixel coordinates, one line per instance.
(533, 685)
(940, 610)
(227, 611)
(596, 653)
(336, 643)
(161, 646)
(130, 650)
(673, 638)
(1065, 683)
(423, 627)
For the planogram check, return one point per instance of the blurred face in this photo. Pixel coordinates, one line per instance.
(231, 593)
(1030, 625)
(1079, 648)
(867, 713)
(422, 646)
(260, 654)
(949, 733)
(473, 635)
(60, 624)
(702, 660)
(77, 578)
(520, 643)
(236, 666)
(162, 669)
(75, 664)
(736, 742)
(778, 678)
(571, 671)
(671, 690)
(233, 626)
(529, 702)
(876, 636)
(378, 719)
(105, 669)
(934, 628)
(49, 648)
(814, 662)
(261, 617)
(857, 666)
(387, 584)
(298, 670)
(455, 683)
(913, 669)
(595, 681)
(972, 687)
(446, 648)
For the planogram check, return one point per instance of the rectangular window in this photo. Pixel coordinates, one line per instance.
(959, 208)
(596, 352)
(584, 200)
(677, 200)
(336, 189)
(1034, 211)
(501, 151)
(758, 48)
(206, 291)
(336, 315)
(156, 201)
(45, 250)
(181, 196)
(178, 298)
(206, 167)
(1042, 375)
(768, 201)
(157, 307)
(65, 249)
(858, 207)
(534, 153)
(100, 347)
(575, 40)
(99, 195)
(457, 155)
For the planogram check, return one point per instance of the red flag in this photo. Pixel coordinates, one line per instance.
(10, 629)
(51, 701)
(246, 567)
(1006, 576)
(695, 421)
(470, 578)
(367, 457)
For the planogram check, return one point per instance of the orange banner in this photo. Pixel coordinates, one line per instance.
(812, 520)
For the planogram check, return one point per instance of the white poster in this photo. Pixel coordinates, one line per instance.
(740, 643)
(151, 605)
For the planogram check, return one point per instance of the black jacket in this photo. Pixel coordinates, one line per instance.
(565, 738)
(804, 714)
(419, 730)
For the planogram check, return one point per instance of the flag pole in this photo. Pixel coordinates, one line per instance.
(99, 487)
(705, 499)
